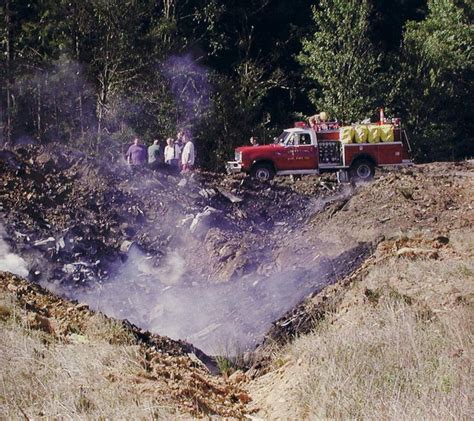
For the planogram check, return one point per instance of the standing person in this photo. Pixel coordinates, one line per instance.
(188, 156)
(136, 154)
(180, 138)
(154, 154)
(172, 153)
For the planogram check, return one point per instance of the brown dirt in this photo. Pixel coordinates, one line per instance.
(423, 218)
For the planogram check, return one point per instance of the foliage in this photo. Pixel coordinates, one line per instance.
(437, 81)
(340, 59)
(93, 72)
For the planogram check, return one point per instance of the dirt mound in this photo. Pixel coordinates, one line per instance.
(395, 206)
(402, 323)
(414, 293)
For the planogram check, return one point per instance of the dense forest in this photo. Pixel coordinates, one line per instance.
(94, 73)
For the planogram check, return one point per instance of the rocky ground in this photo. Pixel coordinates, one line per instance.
(214, 259)
(77, 208)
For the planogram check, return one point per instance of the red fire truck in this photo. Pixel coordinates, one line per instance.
(351, 151)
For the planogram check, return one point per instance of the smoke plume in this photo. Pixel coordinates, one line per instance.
(190, 87)
(220, 318)
(10, 262)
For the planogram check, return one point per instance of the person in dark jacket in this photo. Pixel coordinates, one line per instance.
(136, 154)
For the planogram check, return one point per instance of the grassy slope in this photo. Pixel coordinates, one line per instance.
(395, 339)
(396, 342)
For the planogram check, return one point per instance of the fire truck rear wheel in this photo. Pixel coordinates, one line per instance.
(262, 172)
(363, 170)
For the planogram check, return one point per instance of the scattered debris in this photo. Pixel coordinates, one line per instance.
(232, 197)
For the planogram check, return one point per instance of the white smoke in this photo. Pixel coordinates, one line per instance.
(10, 262)
(231, 316)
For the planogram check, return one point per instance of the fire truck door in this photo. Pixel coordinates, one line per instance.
(306, 154)
(287, 156)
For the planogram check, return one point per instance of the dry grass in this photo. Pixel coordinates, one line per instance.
(41, 377)
(400, 347)
(435, 282)
(392, 364)
(102, 328)
(398, 344)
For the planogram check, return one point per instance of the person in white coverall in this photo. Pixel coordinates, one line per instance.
(172, 152)
(187, 156)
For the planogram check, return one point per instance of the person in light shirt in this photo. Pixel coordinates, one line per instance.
(188, 155)
(172, 153)
(254, 141)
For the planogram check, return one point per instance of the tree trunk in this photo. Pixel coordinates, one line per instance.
(8, 125)
(79, 99)
(169, 14)
(38, 113)
(56, 119)
(103, 96)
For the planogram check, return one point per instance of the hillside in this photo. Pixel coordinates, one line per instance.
(225, 264)
(59, 359)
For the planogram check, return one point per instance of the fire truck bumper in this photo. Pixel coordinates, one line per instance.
(233, 167)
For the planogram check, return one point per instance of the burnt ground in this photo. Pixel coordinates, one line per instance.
(210, 259)
(197, 258)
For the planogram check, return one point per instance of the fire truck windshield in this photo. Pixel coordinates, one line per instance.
(282, 138)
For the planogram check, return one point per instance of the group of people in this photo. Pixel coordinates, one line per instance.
(177, 155)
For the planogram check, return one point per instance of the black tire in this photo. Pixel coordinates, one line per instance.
(362, 170)
(262, 172)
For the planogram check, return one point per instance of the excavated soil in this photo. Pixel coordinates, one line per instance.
(434, 199)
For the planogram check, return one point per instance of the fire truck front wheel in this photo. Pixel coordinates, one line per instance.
(262, 171)
(362, 169)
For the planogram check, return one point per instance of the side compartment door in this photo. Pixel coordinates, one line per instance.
(389, 153)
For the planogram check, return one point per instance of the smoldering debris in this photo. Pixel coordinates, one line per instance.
(194, 262)
(229, 317)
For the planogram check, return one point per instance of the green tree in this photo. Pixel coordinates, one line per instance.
(437, 81)
(340, 60)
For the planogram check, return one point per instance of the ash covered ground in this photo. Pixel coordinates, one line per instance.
(206, 258)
